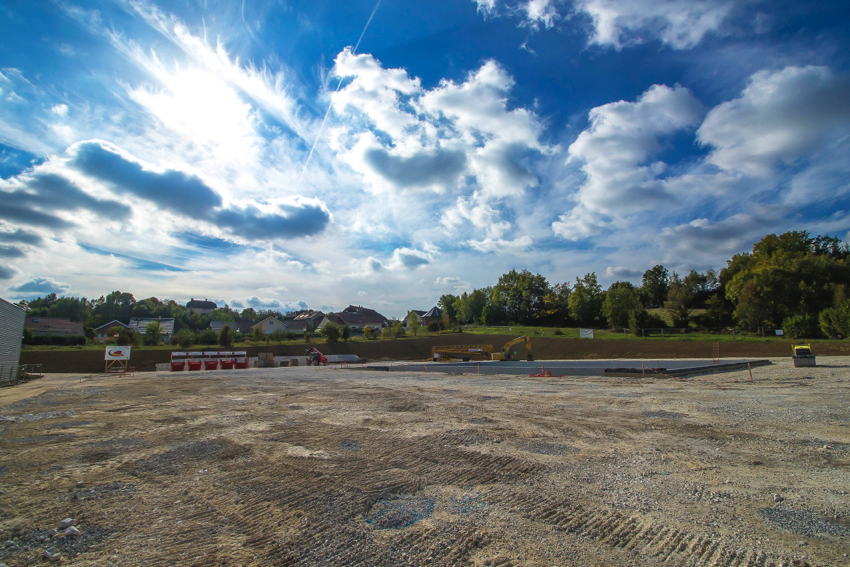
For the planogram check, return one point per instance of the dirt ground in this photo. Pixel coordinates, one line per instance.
(330, 466)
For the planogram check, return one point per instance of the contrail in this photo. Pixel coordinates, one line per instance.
(339, 84)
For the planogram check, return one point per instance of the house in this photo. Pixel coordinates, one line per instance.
(244, 326)
(217, 326)
(12, 321)
(434, 315)
(417, 315)
(139, 325)
(54, 326)
(356, 317)
(301, 322)
(102, 332)
(201, 307)
(269, 325)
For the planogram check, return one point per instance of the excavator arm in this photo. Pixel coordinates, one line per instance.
(506, 350)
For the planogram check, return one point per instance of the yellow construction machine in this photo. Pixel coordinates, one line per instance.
(506, 354)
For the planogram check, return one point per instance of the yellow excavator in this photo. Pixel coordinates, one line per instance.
(505, 353)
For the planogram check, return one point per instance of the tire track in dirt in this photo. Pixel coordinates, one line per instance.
(668, 545)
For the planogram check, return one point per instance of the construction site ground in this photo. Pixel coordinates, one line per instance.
(335, 466)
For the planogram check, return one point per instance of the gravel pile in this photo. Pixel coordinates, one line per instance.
(662, 414)
(801, 523)
(25, 547)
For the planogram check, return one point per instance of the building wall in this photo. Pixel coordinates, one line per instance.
(271, 325)
(12, 319)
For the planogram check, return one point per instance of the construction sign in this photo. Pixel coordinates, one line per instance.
(117, 353)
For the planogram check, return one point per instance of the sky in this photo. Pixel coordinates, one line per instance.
(290, 154)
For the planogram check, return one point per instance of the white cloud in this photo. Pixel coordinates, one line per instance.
(780, 116)
(481, 216)
(617, 145)
(540, 12)
(59, 109)
(486, 6)
(503, 246)
(681, 24)
(454, 283)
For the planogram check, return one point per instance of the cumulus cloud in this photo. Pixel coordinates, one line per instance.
(480, 216)
(455, 283)
(190, 196)
(59, 109)
(8, 272)
(35, 197)
(41, 285)
(409, 259)
(22, 236)
(272, 303)
(681, 24)
(414, 137)
(616, 147)
(720, 238)
(514, 246)
(780, 116)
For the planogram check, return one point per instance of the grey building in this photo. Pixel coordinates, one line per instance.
(12, 319)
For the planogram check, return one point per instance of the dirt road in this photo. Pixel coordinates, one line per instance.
(308, 466)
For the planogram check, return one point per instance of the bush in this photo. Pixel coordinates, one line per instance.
(125, 337)
(308, 335)
(346, 332)
(433, 327)
(641, 319)
(225, 337)
(207, 337)
(278, 336)
(331, 332)
(801, 327)
(370, 333)
(185, 338)
(559, 332)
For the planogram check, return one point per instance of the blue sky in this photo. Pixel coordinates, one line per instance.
(255, 154)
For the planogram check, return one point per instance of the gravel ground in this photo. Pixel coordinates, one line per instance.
(329, 466)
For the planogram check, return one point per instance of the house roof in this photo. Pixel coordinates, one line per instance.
(198, 304)
(310, 315)
(21, 307)
(264, 320)
(54, 326)
(219, 325)
(245, 325)
(139, 324)
(112, 323)
(420, 313)
(358, 318)
(434, 312)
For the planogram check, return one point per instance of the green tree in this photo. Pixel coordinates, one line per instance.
(586, 299)
(225, 337)
(278, 336)
(679, 298)
(123, 336)
(258, 335)
(331, 332)
(370, 333)
(396, 329)
(346, 332)
(207, 337)
(656, 282)
(621, 301)
(413, 323)
(184, 337)
(153, 333)
(556, 304)
(521, 294)
(447, 304)
(785, 275)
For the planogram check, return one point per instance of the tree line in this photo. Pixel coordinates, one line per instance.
(792, 281)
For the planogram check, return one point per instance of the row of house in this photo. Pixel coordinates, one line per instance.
(355, 316)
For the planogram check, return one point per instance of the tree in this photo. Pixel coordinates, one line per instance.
(621, 301)
(207, 337)
(225, 337)
(331, 332)
(396, 329)
(125, 336)
(184, 337)
(153, 333)
(656, 282)
(259, 335)
(586, 299)
(556, 304)
(521, 294)
(346, 332)
(370, 333)
(447, 304)
(785, 275)
(679, 298)
(413, 323)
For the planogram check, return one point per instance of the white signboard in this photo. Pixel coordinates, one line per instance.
(117, 353)
(779, 332)
(585, 333)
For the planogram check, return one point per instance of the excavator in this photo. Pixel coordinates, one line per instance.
(505, 353)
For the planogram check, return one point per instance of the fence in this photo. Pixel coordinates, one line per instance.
(12, 373)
